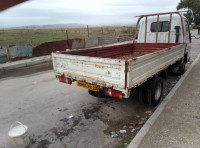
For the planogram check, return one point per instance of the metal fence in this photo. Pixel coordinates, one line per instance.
(3, 55)
(19, 52)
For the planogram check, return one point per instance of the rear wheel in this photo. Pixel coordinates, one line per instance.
(155, 93)
(154, 89)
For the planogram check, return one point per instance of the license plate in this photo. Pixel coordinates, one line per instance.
(87, 86)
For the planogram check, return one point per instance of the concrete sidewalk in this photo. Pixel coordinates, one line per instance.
(178, 123)
(24, 63)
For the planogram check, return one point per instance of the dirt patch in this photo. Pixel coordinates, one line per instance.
(124, 115)
(92, 112)
(61, 133)
(55, 134)
(43, 144)
(49, 47)
(75, 42)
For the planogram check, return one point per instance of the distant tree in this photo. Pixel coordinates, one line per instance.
(193, 7)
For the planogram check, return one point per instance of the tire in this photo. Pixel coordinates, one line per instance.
(179, 68)
(99, 94)
(154, 88)
(142, 94)
(182, 69)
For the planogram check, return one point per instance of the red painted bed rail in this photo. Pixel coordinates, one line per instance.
(118, 51)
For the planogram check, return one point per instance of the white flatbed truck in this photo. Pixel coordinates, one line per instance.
(115, 70)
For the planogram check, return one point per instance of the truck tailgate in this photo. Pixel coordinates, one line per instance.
(101, 71)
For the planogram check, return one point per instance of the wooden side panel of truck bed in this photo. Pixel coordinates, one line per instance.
(142, 68)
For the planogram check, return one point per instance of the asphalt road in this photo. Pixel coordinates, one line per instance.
(41, 102)
(36, 98)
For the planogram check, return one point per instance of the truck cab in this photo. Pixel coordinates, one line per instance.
(176, 35)
(169, 31)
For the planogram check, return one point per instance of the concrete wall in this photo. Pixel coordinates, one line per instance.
(76, 43)
(20, 51)
(91, 42)
(107, 40)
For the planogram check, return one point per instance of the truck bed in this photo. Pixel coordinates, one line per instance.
(124, 51)
(121, 66)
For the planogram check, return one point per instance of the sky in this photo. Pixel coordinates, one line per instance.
(87, 12)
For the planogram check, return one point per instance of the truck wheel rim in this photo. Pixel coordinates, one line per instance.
(158, 92)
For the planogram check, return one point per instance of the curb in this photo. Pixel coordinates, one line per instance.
(144, 130)
(25, 63)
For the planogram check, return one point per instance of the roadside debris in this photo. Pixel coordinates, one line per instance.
(171, 84)
(134, 129)
(124, 127)
(18, 134)
(190, 62)
(169, 89)
(138, 116)
(140, 123)
(165, 92)
(175, 81)
(113, 134)
(70, 116)
(122, 131)
(130, 126)
(65, 119)
(149, 112)
(132, 123)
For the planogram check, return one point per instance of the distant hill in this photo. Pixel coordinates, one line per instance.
(49, 26)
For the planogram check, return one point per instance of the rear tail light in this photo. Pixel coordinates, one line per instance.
(113, 93)
(65, 80)
(69, 81)
(62, 79)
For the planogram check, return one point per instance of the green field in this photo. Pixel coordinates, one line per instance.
(35, 37)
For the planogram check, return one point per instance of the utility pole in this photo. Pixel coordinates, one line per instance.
(67, 34)
(88, 31)
(8, 54)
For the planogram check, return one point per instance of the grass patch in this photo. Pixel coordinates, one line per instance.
(37, 36)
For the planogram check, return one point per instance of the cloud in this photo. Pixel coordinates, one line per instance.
(88, 12)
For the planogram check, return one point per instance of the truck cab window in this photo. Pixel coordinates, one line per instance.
(163, 26)
(154, 26)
